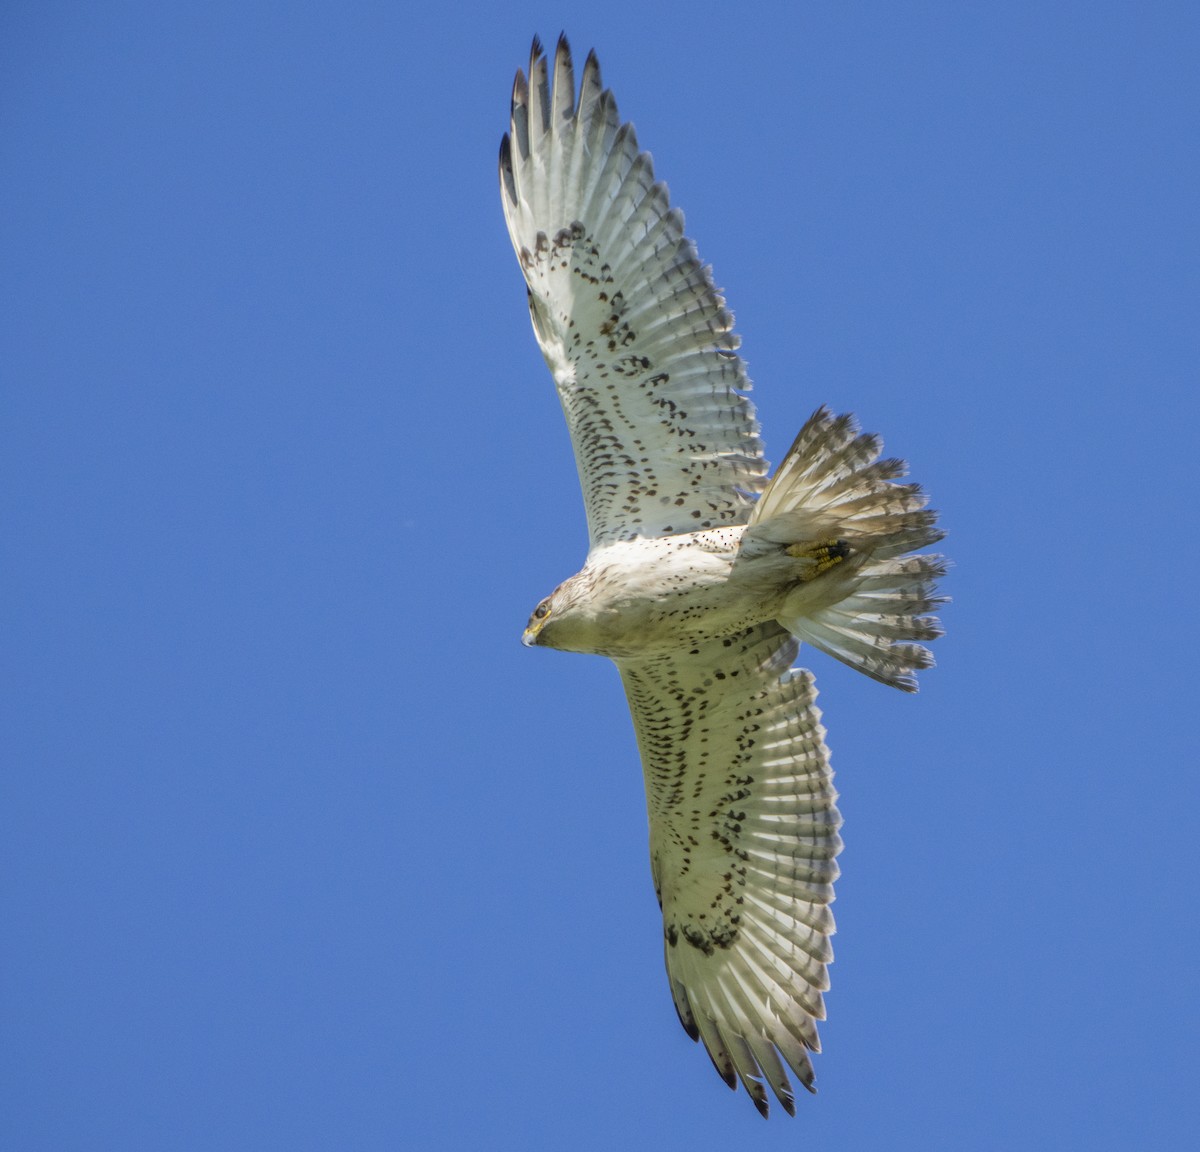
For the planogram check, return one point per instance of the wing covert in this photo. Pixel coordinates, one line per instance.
(743, 846)
(637, 337)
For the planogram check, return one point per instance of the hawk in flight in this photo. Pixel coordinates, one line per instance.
(703, 575)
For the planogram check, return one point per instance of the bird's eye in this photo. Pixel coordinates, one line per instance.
(542, 610)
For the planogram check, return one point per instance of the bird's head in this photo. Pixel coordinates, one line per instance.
(538, 621)
(561, 619)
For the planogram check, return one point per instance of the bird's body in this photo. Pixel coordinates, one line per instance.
(638, 598)
(702, 575)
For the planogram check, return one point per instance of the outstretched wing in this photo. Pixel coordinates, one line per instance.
(638, 339)
(743, 840)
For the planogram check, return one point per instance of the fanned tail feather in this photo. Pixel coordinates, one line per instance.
(833, 484)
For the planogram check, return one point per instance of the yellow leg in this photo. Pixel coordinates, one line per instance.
(824, 554)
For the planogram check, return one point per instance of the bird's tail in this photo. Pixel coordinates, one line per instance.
(862, 596)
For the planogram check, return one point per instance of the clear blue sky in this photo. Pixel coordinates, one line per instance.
(302, 850)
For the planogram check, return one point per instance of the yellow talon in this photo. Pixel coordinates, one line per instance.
(824, 555)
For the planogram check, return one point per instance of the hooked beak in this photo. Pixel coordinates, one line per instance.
(532, 630)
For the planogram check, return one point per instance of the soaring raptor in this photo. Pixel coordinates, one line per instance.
(703, 575)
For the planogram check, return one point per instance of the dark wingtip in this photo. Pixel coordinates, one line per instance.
(689, 1026)
(727, 1073)
(506, 169)
(520, 92)
(687, 1023)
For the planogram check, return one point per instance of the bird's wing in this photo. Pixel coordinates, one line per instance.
(743, 841)
(638, 339)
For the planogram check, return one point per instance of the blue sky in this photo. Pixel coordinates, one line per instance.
(302, 850)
